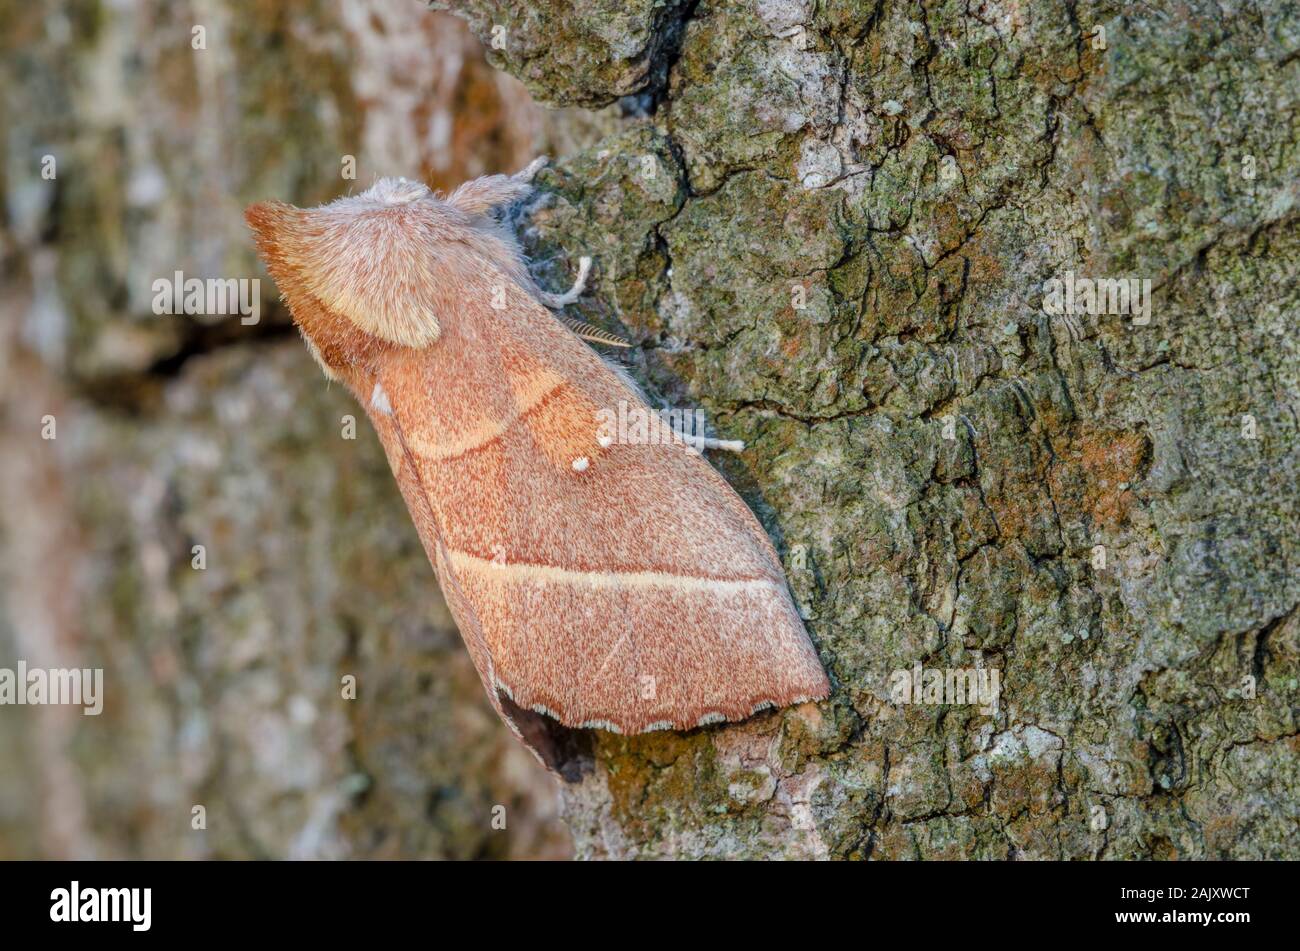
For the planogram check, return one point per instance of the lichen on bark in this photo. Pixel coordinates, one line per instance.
(828, 223)
(833, 232)
(225, 685)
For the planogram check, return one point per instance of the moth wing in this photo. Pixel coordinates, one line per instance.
(599, 580)
(546, 740)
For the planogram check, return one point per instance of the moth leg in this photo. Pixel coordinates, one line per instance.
(676, 425)
(708, 442)
(573, 293)
(700, 443)
(556, 301)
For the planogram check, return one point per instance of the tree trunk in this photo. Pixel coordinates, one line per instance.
(830, 225)
(827, 224)
(201, 528)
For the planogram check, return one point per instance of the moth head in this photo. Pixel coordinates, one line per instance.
(360, 272)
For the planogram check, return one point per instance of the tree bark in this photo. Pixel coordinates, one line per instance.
(224, 685)
(828, 225)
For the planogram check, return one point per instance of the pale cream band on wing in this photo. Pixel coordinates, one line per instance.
(622, 580)
(527, 397)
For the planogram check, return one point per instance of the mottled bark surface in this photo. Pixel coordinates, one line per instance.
(224, 686)
(912, 175)
(827, 224)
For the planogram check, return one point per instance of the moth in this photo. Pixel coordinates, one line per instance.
(598, 583)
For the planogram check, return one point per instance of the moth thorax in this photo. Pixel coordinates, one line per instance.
(396, 191)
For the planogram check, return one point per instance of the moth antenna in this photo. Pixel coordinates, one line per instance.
(573, 293)
(587, 332)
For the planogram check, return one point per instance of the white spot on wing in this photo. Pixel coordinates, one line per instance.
(379, 400)
(580, 464)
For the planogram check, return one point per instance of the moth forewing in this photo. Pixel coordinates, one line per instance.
(597, 583)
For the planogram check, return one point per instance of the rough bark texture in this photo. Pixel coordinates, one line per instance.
(919, 172)
(224, 685)
(828, 224)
